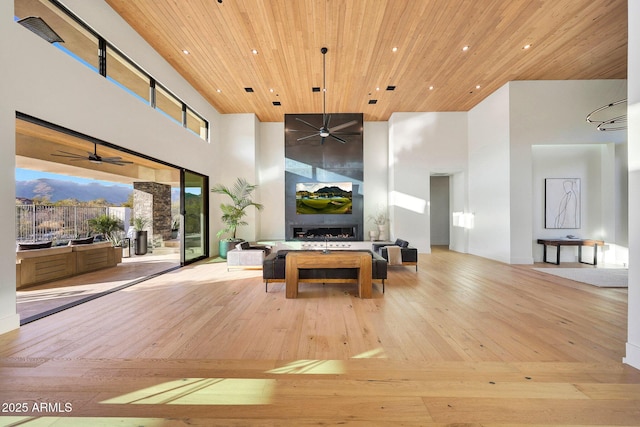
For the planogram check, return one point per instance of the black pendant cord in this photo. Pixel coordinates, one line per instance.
(324, 86)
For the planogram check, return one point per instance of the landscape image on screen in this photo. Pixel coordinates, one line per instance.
(323, 198)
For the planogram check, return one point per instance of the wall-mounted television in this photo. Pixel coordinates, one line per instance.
(324, 198)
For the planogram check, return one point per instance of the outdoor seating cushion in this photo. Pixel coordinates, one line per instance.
(24, 246)
(82, 241)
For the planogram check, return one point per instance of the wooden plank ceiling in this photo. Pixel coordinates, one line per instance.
(569, 39)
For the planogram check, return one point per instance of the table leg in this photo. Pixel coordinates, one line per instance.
(365, 277)
(291, 278)
(595, 254)
(558, 254)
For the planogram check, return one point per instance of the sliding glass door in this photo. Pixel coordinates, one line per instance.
(195, 212)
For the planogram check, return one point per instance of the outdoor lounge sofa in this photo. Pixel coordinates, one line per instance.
(39, 264)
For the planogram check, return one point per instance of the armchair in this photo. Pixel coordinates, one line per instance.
(408, 255)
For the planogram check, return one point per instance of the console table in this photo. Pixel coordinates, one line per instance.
(338, 259)
(570, 242)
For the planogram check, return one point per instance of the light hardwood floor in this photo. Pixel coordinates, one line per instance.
(463, 341)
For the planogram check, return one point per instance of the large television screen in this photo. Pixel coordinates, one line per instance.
(323, 198)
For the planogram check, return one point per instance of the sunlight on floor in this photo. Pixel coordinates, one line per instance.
(202, 391)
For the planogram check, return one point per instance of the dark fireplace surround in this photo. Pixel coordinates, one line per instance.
(309, 161)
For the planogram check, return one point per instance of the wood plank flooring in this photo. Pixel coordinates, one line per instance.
(463, 341)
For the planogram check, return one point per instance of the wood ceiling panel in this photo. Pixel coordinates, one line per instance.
(571, 39)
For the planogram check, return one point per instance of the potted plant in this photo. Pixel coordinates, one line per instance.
(234, 212)
(108, 226)
(139, 224)
(175, 227)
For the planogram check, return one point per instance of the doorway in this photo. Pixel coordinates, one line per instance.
(58, 154)
(440, 210)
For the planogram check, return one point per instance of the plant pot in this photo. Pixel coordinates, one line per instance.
(141, 242)
(382, 232)
(227, 245)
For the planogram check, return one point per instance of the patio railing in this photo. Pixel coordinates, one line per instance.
(59, 223)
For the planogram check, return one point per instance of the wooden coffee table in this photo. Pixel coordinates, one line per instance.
(333, 259)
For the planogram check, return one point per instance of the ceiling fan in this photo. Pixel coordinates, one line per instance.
(93, 157)
(324, 131)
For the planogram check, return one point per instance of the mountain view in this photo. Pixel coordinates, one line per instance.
(55, 190)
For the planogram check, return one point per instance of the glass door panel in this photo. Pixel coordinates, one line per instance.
(195, 202)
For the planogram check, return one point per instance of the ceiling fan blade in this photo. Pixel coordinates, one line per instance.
(117, 162)
(308, 136)
(342, 126)
(67, 154)
(307, 123)
(338, 138)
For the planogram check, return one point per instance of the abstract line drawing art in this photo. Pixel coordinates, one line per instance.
(562, 203)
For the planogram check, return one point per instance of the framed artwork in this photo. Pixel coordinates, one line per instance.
(562, 203)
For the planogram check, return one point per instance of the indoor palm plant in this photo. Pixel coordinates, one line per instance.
(233, 213)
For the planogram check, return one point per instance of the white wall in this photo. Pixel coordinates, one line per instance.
(421, 144)
(376, 178)
(502, 130)
(237, 156)
(458, 199)
(570, 161)
(489, 189)
(271, 181)
(549, 113)
(633, 110)
(8, 318)
(44, 82)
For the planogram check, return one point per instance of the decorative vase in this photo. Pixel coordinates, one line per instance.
(373, 234)
(382, 235)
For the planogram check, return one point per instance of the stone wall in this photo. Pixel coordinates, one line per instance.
(152, 200)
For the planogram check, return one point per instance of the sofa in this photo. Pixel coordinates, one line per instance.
(408, 255)
(40, 262)
(274, 266)
(246, 255)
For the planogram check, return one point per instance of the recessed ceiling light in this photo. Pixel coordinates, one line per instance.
(477, 86)
(377, 88)
(185, 51)
(526, 46)
(394, 49)
(465, 48)
(430, 87)
(219, 90)
(271, 90)
(255, 52)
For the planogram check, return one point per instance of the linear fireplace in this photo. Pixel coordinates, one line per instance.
(321, 233)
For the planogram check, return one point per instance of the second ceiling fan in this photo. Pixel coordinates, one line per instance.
(324, 131)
